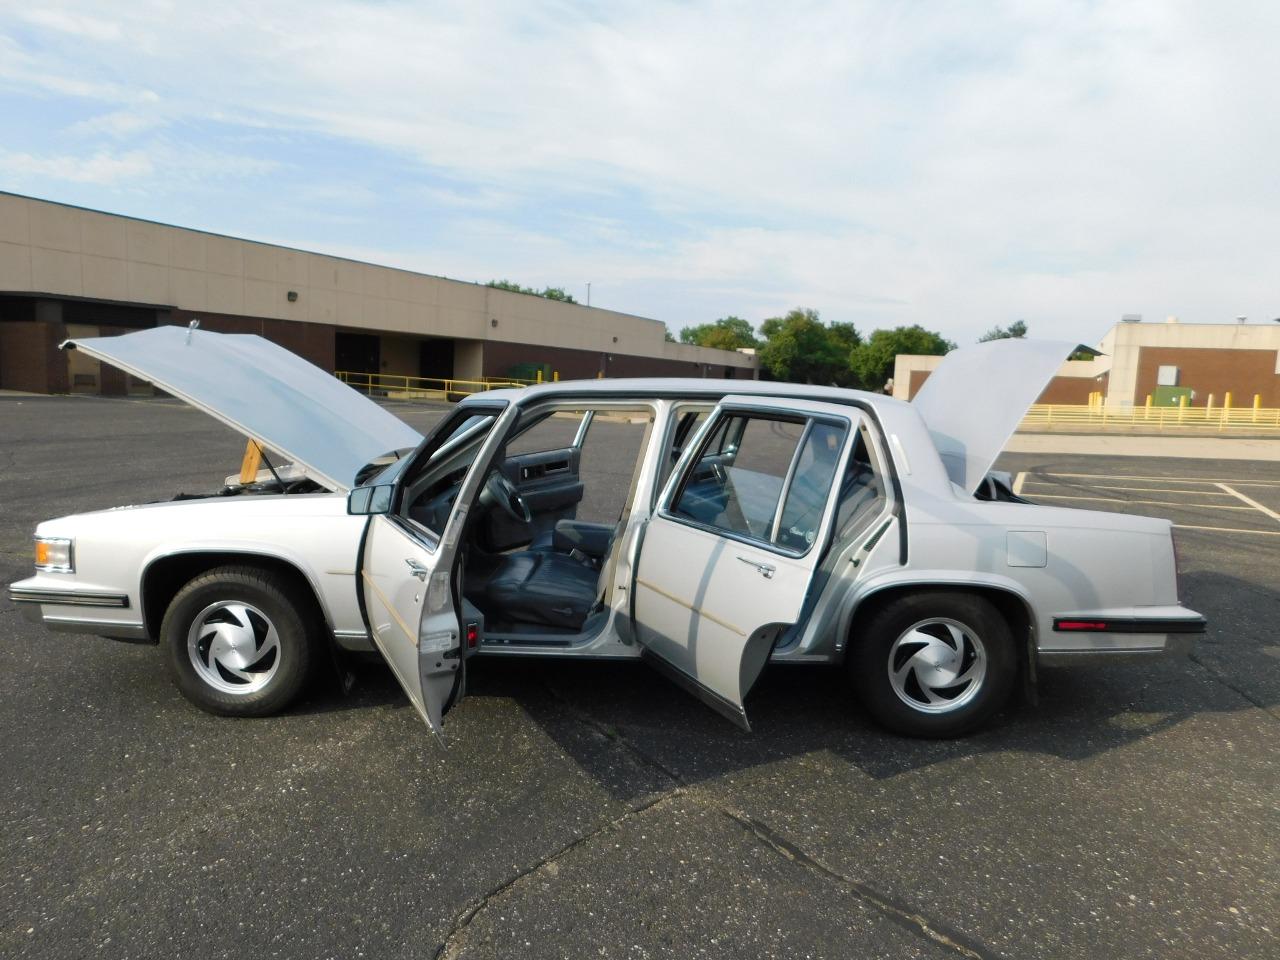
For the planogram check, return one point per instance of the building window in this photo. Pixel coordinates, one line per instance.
(1167, 376)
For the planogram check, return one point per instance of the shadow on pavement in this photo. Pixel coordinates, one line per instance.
(1083, 711)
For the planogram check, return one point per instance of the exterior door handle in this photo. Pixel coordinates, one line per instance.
(417, 569)
(766, 570)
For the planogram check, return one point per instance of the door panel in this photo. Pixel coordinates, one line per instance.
(727, 560)
(409, 570)
(705, 609)
(397, 572)
(550, 484)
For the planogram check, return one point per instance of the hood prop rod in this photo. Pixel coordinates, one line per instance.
(283, 489)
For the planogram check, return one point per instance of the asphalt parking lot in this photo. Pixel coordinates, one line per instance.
(594, 810)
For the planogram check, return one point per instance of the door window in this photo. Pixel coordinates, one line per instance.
(437, 473)
(763, 477)
(862, 490)
(810, 486)
(686, 420)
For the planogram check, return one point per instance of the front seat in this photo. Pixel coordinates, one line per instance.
(538, 586)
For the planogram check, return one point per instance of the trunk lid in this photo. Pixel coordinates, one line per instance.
(975, 399)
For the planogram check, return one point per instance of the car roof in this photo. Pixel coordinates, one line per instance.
(684, 387)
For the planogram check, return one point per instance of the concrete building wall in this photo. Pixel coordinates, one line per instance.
(50, 250)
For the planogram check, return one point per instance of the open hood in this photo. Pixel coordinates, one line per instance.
(265, 392)
(977, 396)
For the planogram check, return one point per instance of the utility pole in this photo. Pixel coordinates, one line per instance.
(588, 293)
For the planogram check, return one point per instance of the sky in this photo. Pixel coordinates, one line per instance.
(957, 165)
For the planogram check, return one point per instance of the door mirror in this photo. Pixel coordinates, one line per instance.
(363, 501)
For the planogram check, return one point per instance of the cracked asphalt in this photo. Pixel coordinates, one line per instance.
(589, 810)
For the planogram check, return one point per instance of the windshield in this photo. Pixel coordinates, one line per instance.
(383, 469)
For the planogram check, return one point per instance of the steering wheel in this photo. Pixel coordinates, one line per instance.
(504, 493)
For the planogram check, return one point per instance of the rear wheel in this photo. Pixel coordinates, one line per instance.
(240, 641)
(933, 664)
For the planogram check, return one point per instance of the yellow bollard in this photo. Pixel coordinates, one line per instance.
(1226, 407)
(1147, 414)
(1208, 407)
(1257, 405)
(539, 375)
(1182, 407)
(555, 376)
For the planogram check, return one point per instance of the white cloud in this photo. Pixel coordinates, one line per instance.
(76, 24)
(952, 165)
(101, 168)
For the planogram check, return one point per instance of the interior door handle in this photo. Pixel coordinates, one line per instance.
(766, 570)
(417, 569)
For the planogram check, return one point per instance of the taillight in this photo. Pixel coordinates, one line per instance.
(1177, 564)
(473, 634)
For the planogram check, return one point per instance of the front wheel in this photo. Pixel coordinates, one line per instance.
(239, 641)
(933, 664)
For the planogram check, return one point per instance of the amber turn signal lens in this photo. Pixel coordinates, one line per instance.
(54, 553)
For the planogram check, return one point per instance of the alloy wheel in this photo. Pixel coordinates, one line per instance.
(234, 647)
(937, 665)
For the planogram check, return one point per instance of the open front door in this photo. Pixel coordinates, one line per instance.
(398, 571)
(728, 558)
(408, 575)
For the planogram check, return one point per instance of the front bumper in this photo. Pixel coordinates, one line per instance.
(72, 610)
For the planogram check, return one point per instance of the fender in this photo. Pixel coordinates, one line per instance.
(863, 590)
(247, 548)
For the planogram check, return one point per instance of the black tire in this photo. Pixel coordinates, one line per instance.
(923, 700)
(280, 657)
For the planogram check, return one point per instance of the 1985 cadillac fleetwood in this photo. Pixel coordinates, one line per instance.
(759, 522)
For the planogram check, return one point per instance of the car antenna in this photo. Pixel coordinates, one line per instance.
(192, 327)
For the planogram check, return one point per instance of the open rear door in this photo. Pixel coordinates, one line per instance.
(728, 557)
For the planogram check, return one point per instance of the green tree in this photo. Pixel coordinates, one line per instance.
(666, 334)
(872, 361)
(1014, 331)
(727, 333)
(800, 348)
(550, 293)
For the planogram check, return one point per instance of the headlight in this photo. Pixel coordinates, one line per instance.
(55, 554)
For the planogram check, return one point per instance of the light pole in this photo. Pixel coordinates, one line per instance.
(588, 293)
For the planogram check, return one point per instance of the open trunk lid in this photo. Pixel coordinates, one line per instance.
(265, 392)
(975, 399)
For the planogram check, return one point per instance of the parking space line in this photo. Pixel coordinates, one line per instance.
(1163, 503)
(1121, 476)
(1264, 533)
(1018, 481)
(1249, 500)
(1105, 486)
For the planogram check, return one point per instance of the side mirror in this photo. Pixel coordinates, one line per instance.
(363, 501)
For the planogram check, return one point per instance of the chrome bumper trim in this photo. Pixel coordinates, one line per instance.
(70, 598)
(1175, 645)
(112, 629)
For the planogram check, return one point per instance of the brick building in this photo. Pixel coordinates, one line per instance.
(66, 271)
(1160, 360)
